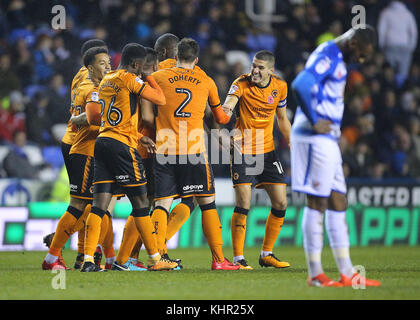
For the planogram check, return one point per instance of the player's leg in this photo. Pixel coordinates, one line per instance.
(336, 226)
(64, 229)
(196, 179)
(238, 223)
(81, 175)
(166, 185)
(106, 237)
(101, 200)
(213, 232)
(80, 229)
(313, 168)
(242, 183)
(178, 216)
(160, 221)
(275, 220)
(103, 188)
(133, 181)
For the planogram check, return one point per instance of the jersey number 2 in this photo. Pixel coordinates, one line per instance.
(178, 112)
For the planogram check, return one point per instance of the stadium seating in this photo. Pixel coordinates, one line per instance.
(52, 155)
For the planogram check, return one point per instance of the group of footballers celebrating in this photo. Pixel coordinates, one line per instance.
(138, 131)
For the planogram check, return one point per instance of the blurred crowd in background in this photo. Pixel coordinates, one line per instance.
(381, 126)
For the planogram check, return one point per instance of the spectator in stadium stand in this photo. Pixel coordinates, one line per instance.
(414, 129)
(258, 39)
(414, 79)
(44, 58)
(288, 50)
(59, 98)
(16, 14)
(9, 81)
(12, 117)
(401, 150)
(23, 62)
(202, 35)
(232, 26)
(16, 163)
(397, 33)
(378, 171)
(38, 119)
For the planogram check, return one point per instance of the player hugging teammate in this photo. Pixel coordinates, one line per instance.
(133, 131)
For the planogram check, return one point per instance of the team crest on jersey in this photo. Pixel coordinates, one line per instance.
(323, 65)
(270, 99)
(274, 93)
(95, 96)
(235, 176)
(139, 80)
(233, 89)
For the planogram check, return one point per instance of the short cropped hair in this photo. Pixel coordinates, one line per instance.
(89, 56)
(151, 55)
(187, 50)
(266, 55)
(132, 52)
(90, 44)
(366, 35)
(166, 41)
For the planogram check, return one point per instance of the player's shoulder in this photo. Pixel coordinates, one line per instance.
(112, 74)
(127, 77)
(83, 71)
(168, 63)
(278, 81)
(86, 86)
(82, 74)
(201, 74)
(162, 72)
(242, 80)
(329, 49)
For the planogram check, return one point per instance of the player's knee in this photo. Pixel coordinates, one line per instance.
(337, 202)
(139, 201)
(280, 204)
(79, 204)
(317, 203)
(208, 206)
(189, 202)
(140, 212)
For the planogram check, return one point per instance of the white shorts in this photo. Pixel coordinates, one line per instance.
(317, 167)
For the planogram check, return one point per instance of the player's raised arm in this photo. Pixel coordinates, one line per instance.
(229, 104)
(93, 113)
(147, 114)
(214, 101)
(153, 92)
(303, 88)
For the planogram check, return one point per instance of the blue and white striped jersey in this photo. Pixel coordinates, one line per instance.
(327, 95)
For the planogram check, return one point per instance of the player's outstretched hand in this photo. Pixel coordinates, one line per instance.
(226, 109)
(148, 144)
(322, 126)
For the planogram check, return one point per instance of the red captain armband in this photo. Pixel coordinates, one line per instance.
(93, 113)
(220, 116)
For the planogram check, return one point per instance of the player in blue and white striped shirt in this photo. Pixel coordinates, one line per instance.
(315, 155)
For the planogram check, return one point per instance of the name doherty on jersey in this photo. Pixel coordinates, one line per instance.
(184, 78)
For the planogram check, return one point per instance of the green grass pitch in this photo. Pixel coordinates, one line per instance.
(397, 267)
